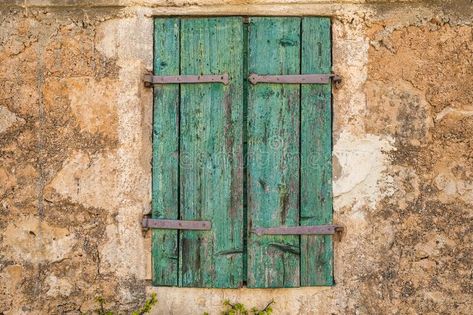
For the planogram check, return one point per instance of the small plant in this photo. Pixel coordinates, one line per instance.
(234, 309)
(240, 309)
(145, 309)
(268, 310)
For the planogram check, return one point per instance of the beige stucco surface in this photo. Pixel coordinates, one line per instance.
(75, 152)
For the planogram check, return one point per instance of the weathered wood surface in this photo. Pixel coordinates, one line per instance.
(316, 157)
(165, 181)
(273, 152)
(211, 172)
(198, 163)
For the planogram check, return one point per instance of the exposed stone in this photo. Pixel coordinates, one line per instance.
(7, 119)
(92, 102)
(8, 181)
(31, 240)
(88, 180)
(58, 287)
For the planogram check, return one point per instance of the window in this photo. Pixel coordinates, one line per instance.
(242, 155)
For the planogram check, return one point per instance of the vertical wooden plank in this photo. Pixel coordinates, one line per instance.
(273, 152)
(211, 154)
(316, 156)
(165, 151)
(245, 152)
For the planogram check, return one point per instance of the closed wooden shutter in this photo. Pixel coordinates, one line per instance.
(197, 160)
(240, 155)
(289, 153)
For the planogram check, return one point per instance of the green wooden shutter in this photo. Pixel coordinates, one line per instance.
(273, 152)
(197, 162)
(289, 153)
(198, 146)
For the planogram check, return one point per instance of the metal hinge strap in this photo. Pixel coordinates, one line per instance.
(176, 224)
(300, 230)
(295, 78)
(177, 79)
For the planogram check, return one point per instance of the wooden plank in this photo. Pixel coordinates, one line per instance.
(211, 154)
(316, 156)
(273, 152)
(165, 151)
(245, 152)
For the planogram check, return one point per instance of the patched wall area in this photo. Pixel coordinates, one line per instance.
(75, 152)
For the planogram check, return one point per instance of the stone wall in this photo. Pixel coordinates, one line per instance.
(75, 151)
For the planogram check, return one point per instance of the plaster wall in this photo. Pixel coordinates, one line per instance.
(75, 152)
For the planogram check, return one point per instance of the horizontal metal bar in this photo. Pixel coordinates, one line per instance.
(300, 230)
(294, 78)
(177, 79)
(176, 224)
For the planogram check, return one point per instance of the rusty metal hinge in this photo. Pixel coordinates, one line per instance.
(329, 229)
(150, 80)
(176, 224)
(295, 78)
